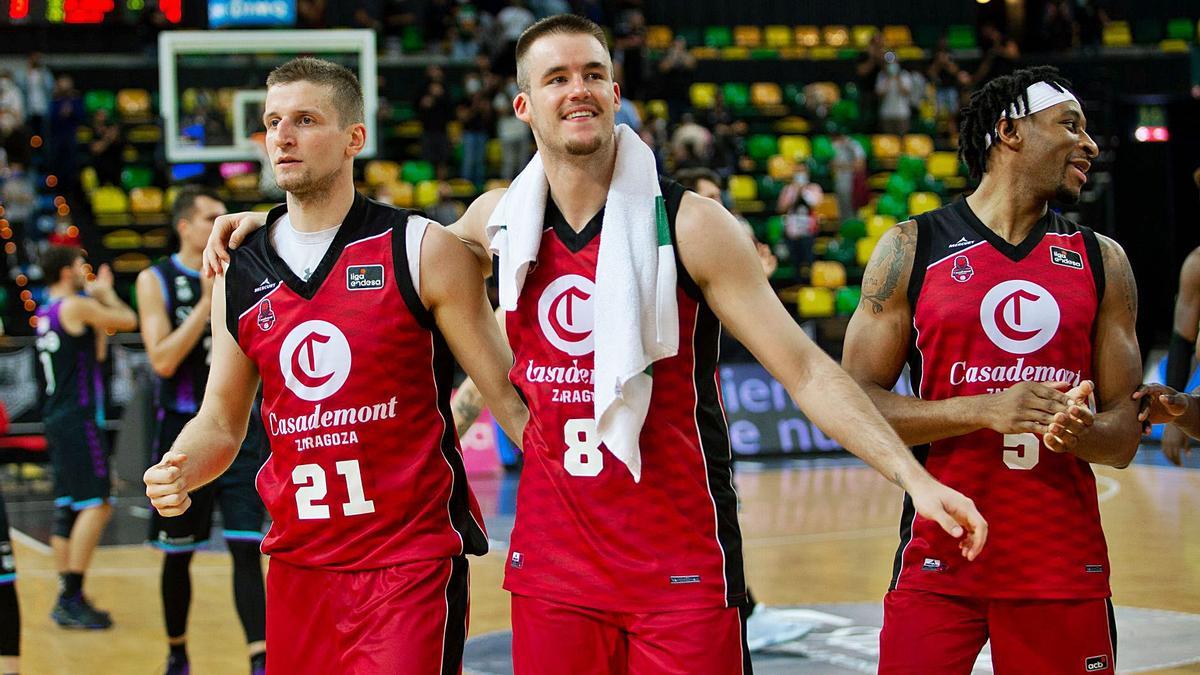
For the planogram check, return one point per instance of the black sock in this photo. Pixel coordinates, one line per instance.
(10, 621)
(176, 592)
(248, 593)
(72, 584)
(179, 651)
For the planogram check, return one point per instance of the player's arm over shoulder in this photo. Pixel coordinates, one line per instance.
(471, 229)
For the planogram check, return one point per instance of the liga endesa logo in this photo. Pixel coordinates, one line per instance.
(315, 360)
(566, 314)
(1019, 316)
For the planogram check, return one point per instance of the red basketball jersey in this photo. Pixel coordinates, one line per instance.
(365, 471)
(585, 532)
(987, 315)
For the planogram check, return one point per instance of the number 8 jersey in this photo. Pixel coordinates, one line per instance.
(365, 470)
(987, 315)
(585, 533)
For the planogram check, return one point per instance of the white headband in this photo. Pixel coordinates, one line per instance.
(1041, 95)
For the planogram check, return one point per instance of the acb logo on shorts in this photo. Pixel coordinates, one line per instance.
(566, 315)
(315, 360)
(1094, 664)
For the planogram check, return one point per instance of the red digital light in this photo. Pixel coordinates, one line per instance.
(18, 9)
(1147, 134)
(172, 9)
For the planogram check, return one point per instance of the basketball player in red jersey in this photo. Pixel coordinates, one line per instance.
(609, 574)
(1007, 313)
(351, 329)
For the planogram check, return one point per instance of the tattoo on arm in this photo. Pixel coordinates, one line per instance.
(1116, 263)
(883, 272)
(466, 406)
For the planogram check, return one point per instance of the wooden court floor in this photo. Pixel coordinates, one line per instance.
(813, 535)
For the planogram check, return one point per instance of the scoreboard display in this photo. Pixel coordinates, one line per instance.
(75, 12)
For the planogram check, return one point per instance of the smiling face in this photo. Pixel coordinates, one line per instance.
(570, 98)
(1060, 150)
(307, 144)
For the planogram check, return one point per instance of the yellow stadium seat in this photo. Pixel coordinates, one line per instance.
(133, 104)
(246, 182)
(743, 188)
(918, 145)
(777, 37)
(920, 202)
(885, 146)
(703, 95)
(795, 148)
(88, 179)
(879, 223)
(735, 53)
(121, 239)
(862, 35)
(427, 193)
(764, 94)
(461, 188)
(828, 274)
(910, 53)
(826, 93)
(658, 108)
(399, 193)
(823, 53)
(146, 200)
(747, 36)
(942, 164)
(495, 184)
(1117, 34)
(493, 152)
(808, 36)
(792, 124)
(380, 171)
(835, 36)
(897, 36)
(659, 37)
(109, 199)
(130, 263)
(827, 209)
(813, 303)
(780, 167)
(159, 237)
(863, 249)
(169, 200)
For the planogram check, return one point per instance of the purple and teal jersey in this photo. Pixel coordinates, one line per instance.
(74, 382)
(183, 391)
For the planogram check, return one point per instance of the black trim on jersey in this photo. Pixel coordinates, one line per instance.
(916, 276)
(672, 193)
(921, 453)
(403, 274)
(1112, 630)
(574, 241)
(457, 604)
(1014, 253)
(1091, 243)
(475, 541)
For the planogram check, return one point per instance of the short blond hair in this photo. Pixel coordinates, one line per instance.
(347, 94)
(559, 24)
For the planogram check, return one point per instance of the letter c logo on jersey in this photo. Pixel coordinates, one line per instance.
(315, 360)
(1019, 316)
(565, 312)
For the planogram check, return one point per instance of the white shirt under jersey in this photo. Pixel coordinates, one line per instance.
(303, 251)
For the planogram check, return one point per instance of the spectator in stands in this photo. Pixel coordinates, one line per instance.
(1058, 29)
(516, 138)
(311, 14)
(1091, 19)
(12, 119)
(870, 65)
(894, 86)
(37, 84)
(446, 209)
(629, 53)
(796, 203)
(849, 169)
(677, 61)
(439, 19)
(999, 60)
(105, 148)
(477, 118)
(691, 144)
(66, 116)
(707, 184)
(511, 22)
(435, 110)
(946, 78)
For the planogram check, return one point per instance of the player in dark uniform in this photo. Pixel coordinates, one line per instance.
(10, 611)
(1009, 316)
(70, 334)
(174, 306)
(351, 328)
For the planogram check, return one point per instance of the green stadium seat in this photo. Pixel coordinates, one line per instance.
(900, 186)
(136, 177)
(737, 95)
(846, 300)
(960, 37)
(1181, 29)
(412, 40)
(822, 149)
(718, 37)
(891, 205)
(97, 99)
(761, 147)
(845, 113)
(416, 171)
(774, 230)
(912, 168)
(691, 35)
(840, 251)
(768, 190)
(852, 229)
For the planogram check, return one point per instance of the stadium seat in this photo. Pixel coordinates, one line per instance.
(1117, 34)
(795, 148)
(878, 224)
(426, 194)
(827, 93)
(822, 149)
(133, 105)
(122, 239)
(658, 108)
(703, 95)
(781, 168)
(399, 193)
(852, 229)
(918, 145)
(243, 183)
(737, 95)
(835, 36)
(136, 176)
(828, 274)
(891, 205)
(814, 303)
(109, 199)
(846, 300)
(97, 99)
(416, 171)
(88, 179)
(808, 36)
(861, 36)
(912, 168)
(942, 164)
(920, 202)
(748, 36)
(493, 153)
(897, 36)
(960, 36)
(773, 232)
(862, 250)
(718, 37)
(735, 53)
(827, 209)
(765, 95)
(1180, 29)
(380, 171)
(885, 147)
(130, 263)
(761, 147)
(777, 37)
(900, 186)
(1174, 46)
(461, 188)
(413, 40)
(743, 188)
(792, 124)
(146, 200)
(158, 238)
(769, 188)
(659, 37)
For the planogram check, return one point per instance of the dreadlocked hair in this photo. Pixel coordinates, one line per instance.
(979, 116)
